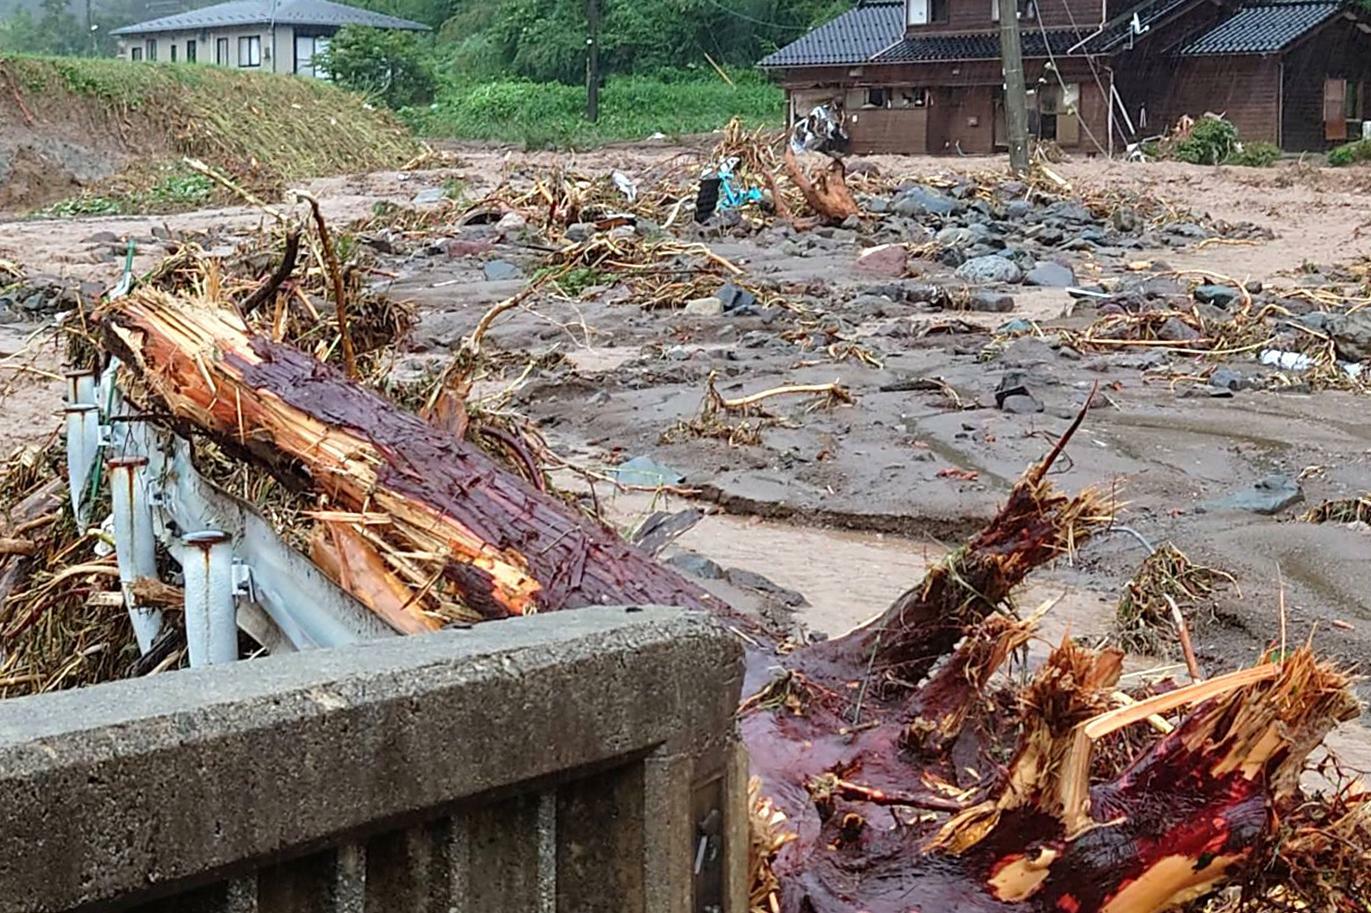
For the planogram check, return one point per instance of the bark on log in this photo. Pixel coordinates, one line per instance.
(495, 545)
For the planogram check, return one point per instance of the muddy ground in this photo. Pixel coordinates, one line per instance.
(846, 504)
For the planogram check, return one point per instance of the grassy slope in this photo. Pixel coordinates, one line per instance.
(272, 128)
(631, 107)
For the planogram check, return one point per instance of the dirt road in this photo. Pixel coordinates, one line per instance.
(854, 497)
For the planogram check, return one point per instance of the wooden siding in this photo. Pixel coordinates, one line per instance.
(976, 16)
(1245, 89)
(961, 105)
(1337, 51)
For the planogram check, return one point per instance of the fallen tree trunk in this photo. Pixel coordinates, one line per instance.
(882, 750)
(471, 541)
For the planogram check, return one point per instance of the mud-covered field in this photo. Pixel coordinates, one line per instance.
(844, 499)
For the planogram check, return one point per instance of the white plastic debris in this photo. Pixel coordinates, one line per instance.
(1298, 361)
(627, 186)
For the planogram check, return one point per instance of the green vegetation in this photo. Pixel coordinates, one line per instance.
(175, 188)
(1350, 153)
(395, 68)
(1214, 141)
(1211, 141)
(264, 130)
(1257, 155)
(631, 107)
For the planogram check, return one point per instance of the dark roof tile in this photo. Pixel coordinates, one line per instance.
(975, 46)
(853, 37)
(1261, 29)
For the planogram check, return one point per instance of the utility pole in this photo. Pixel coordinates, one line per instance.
(1015, 93)
(593, 60)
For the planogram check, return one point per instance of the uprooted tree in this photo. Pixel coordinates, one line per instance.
(908, 778)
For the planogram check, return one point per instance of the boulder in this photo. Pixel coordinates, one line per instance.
(955, 236)
(919, 201)
(1217, 295)
(704, 307)
(1052, 275)
(1271, 495)
(992, 302)
(501, 270)
(991, 268)
(887, 260)
(1351, 334)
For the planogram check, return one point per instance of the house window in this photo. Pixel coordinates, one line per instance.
(221, 52)
(172, 47)
(877, 97)
(1028, 9)
(152, 49)
(924, 12)
(250, 51)
(190, 51)
(135, 53)
(306, 49)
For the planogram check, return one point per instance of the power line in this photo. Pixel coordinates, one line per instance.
(746, 18)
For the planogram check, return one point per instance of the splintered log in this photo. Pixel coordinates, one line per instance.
(828, 193)
(479, 541)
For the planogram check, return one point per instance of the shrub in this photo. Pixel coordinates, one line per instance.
(1258, 155)
(1212, 140)
(1347, 154)
(394, 67)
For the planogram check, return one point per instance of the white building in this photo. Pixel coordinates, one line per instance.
(277, 36)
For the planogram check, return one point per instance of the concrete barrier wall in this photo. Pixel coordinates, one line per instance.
(572, 763)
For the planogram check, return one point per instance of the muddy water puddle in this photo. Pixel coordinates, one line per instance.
(850, 577)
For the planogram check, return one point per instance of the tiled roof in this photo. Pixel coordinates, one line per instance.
(1115, 33)
(854, 37)
(975, 46)
(255, 12)
(1261, 29)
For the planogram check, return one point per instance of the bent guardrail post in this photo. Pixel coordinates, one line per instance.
(586, 762)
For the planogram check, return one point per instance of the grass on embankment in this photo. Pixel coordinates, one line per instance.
(539, 115)
(265, 129)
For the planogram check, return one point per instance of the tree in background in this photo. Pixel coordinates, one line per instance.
(545, 39)
(53, 31)
(393, 67)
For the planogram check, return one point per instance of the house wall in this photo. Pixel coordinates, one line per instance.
(1244, 89)
(1338, 51)
(278, 55)
(961, 104)
(976, 16)
(1144, 74)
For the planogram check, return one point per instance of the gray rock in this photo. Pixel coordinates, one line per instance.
(511, 221)
(704, 307)
(643, 470)
(1269, 496)
(992, 302)
(954, 236)
(1187, 230)
(1017, 209)
(1316, 320)
(735, 298)
(429, 195)
(918, 201)
(878, 205)
(1217, 295)
(696, 566)
(1050, 235)
(580, 231)
(1351, 334)
(990, 269)
(1070, 211)
(1174, 330)
(754, 581)
(1021, 404)
(1052, 275)
(623, 233)
(501, 270)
